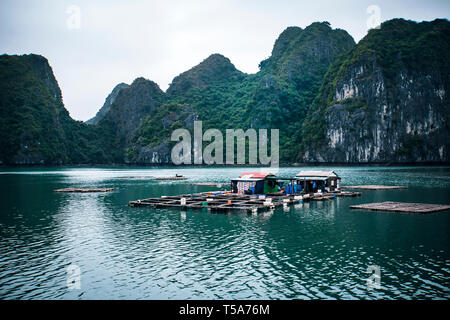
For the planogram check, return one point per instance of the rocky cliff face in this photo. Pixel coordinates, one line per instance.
(31, 112)
(223, 97)
(130, 107)
(302, 56)
(107, 105)
(35, 126)
(383, 100)
(388, 106)
(196, 94)
(411, 127)
(151, 143)
(290, 79)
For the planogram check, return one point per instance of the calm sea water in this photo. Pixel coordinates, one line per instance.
(318, 250)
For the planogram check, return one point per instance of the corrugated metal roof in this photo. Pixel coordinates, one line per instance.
(308, 174)
(312, 178)
(254, 175)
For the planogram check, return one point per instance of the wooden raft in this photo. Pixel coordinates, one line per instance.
(402, 207)
(154, 178)
(83, 190)
(224, 202)
(374, 187)
(210, 184)
(172, 178)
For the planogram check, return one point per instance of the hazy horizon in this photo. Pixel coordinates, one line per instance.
(92, 47)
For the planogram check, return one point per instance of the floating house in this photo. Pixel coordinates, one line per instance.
(278, 191)
(254, 183)
(314, 181)
(304, 182)
(289, 185)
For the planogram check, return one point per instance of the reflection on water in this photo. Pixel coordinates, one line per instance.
(312, 250)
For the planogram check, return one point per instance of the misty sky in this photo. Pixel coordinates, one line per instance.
(117, 41)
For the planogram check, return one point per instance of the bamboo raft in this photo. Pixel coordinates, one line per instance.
(224, 202)
(84, 190)
(402, 207)
(374, 187)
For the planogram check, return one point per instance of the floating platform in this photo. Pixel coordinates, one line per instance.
(402, 207)
(374, 187)
(210, 184)
(84, 190)
(136, 177)
(172, 178)
(224, 201)
(154, 178)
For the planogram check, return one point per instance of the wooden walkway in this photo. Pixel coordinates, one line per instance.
(225, 202)
(402, 207)
(374, 187)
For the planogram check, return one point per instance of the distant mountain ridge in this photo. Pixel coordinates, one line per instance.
(383, 100)
(213, 69)
(107, 105)
(214, 91)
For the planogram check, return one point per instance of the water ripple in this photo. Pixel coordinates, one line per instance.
(318, 250)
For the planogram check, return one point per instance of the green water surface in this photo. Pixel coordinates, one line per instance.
(318, 250)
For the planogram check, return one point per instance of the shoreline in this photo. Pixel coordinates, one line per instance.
(192, 166)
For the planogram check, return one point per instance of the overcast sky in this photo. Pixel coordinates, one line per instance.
(94, 45)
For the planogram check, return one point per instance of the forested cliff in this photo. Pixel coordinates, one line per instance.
(382, 100)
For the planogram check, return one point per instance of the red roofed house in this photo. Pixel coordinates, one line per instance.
(254, 183)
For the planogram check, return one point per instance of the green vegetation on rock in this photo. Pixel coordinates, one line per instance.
(316, 84)
(398, 50)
